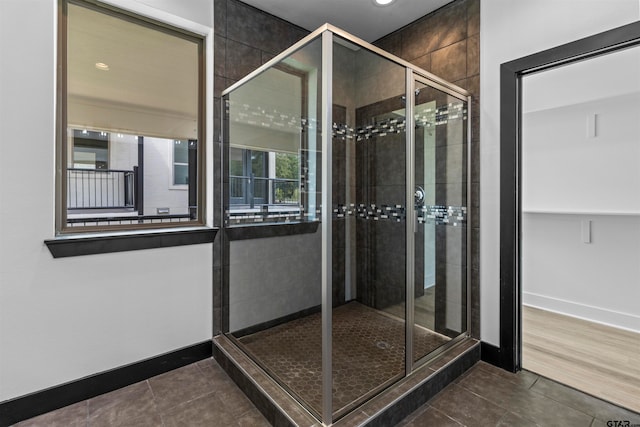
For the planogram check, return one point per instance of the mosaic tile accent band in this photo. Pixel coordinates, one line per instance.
(436, 214)
(278, 120)
(443, 215)
(373, 212)
(265, 216)
(382, 128)
(428, 117)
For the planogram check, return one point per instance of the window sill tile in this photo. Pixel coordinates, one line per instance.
(261, 231)
(100, 243)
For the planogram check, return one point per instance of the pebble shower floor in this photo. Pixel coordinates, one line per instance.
(368, 352)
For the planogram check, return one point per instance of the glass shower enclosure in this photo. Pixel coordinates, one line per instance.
(345, 197)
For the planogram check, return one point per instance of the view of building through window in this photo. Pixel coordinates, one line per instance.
(90, 149)
(268, 136)
(180, 162)
(263, 178)
(132, 141)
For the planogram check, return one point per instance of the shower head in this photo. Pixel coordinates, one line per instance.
(404, 98)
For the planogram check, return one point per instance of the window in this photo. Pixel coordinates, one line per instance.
(130, 121)
(266, 140)
(249, 180)
(181, 162)
(287, 178)
(90, 149)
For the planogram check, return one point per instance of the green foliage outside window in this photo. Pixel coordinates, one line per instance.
(287, 167)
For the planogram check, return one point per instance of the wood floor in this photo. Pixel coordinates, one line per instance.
(597, 359)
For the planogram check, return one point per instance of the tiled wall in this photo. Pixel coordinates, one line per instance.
(381, 181)
(273, 278)
(447, 43)
(245, 38)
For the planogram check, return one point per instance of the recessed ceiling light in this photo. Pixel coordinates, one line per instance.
(383, 2)
(102, 66)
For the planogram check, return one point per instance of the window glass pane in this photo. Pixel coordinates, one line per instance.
(287, 166)
(235, 162)
(258, 163)
(181, 174)
(181, 152)
(90, 149)
(274, 142)
(132, 107)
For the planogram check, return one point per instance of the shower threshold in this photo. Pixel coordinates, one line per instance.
(368, 355)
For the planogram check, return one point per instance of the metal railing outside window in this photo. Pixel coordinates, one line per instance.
(254, 191)
(101, 188)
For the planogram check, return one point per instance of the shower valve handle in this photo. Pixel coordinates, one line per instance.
(418, 196)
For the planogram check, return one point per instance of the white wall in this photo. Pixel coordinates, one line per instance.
(596, 78)
(573, 177)
(597, 281)
(159, 191)
(564, 169)
(509, 30)
(123, 151)
(63, 319)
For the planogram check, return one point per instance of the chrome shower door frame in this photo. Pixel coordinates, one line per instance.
(412, 74)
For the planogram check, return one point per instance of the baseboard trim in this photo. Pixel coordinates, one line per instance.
(275, 322)
(490, 353)
(34, 404)
(605, 316)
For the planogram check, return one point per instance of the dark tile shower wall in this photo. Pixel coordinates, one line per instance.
(245, 38)
(380, 180)
(338, 225)
(381, 243)
(451, 242)
(447, 43)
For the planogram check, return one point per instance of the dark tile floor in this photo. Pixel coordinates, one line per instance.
(201, 394)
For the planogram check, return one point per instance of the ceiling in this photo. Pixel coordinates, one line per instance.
(361, 18)
(149, 83)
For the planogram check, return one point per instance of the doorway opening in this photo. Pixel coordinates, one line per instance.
(562, 217)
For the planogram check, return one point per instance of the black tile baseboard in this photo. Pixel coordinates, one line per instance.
(25, 407)
(490, 354)
(275, 322)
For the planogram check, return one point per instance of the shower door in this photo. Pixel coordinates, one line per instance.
(439, 219)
